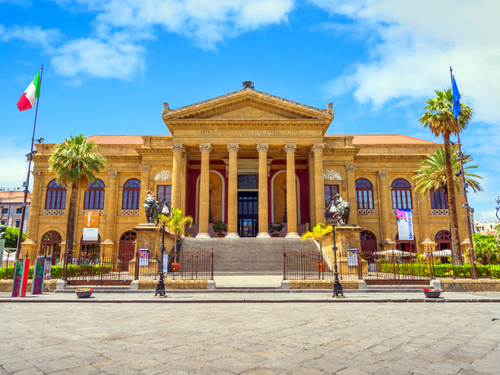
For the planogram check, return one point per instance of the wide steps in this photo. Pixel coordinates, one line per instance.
(247, 256)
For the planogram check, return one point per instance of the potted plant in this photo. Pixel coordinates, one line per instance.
(219, 227)
(432, 293)
(275, 228)
(321, 266)
(84, 292)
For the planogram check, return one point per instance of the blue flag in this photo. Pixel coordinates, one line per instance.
(456, 99)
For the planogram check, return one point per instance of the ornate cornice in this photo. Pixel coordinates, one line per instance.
(382, 175)
(36, 174)
(317, 148)
(145, 168)
(233, 148)
(350, 168)
(290, 148)
(390, 157)
(135, 158)
(178, 148)
(205, 148)
(331, 175)
(164, 175)
(113, 175)
(262, 148)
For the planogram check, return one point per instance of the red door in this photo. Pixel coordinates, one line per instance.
(368, 245)
(127, 249)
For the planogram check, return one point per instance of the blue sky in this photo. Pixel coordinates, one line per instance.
(109, 65)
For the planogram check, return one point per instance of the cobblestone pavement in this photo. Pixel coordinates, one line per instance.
(249, 338)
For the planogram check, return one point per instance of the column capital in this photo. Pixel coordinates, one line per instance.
(290, 148)
(178, 148)
(233, 148)
(262, 148)
(145, 168)
(205, 148)
(382, 175)
(113, 175)
(36, 174)
(350, 168)
(317, 148)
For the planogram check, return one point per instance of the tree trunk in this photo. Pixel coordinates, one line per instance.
(455, 248)
(70, 228)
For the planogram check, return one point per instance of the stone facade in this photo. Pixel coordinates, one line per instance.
(253, 145)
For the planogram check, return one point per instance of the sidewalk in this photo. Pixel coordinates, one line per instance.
(299, 296)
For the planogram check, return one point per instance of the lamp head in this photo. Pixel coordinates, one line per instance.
(40, 140)
(165, 210)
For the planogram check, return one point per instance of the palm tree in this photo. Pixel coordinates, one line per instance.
(176, 223)
(439, 119)
(432, 174)
(76, 164)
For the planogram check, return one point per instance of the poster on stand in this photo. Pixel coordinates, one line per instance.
(38, 277)
(21, 269)
(165, 263)
(352, 257)
(405, 225)
(143, 257)
(48, 267)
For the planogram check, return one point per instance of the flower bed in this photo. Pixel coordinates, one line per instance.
(440, 270)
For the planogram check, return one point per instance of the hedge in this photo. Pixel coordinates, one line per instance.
(440, 270)
(56, 271)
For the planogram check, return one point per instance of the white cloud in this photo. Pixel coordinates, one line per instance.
(413, 44)
(33, 35)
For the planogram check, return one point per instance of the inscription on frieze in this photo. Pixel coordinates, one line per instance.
(249, 133)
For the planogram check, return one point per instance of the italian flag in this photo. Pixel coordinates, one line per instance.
(29, 96)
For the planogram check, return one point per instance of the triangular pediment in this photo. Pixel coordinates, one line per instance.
(247, 104)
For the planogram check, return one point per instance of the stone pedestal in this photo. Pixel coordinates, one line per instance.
(347, 237)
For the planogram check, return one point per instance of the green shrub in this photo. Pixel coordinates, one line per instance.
(56, 271)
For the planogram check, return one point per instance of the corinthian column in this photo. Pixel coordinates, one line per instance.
(319, 182)
(204, 192)
(351, 193)
(291, 190)
(232, 195)
(312, 191)
(177, 149)
(262, 149)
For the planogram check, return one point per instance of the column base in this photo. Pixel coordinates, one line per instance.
(202, 235)
(263, 235)
(232, 235)
(292, 235)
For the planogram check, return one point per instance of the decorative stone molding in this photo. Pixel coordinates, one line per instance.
(382, 175)
(130, 213)
(145, 168)
(113, 175)
(262, 148)
(350, 168)
(164, 175)
(366, 212)
(317, 148)
(178, 148)
(290, 148)
(53, 212)
(166, 109)
(329, 109)
(36, 174)
(331, 175)
(440, 212)
(205, 148)
(310, 157)
(185, 156)
(233, 148)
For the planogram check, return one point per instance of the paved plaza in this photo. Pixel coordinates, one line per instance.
(248, 338)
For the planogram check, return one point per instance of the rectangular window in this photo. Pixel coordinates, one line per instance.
(18, 223)
(439, 200)
(248, 181)
(5, 210)
(164, 192)
(3, 222)
(330, 192)
(19, 210)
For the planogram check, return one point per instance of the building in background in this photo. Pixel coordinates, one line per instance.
(487, 227)
(12, 202)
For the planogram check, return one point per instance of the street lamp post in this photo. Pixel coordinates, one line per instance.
(332, 215)
(498, 208)
(160, 286)
(283, 187)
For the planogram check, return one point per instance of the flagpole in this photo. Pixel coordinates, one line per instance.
(464, 185)
(27, 183)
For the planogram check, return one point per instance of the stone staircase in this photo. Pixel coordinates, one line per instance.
(247, 256)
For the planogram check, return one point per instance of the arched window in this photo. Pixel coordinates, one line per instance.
(439, 200)
(94, 196)
(364, 194)
(443, 240)
(401, 194)
(56, 196)
(51, 245)
(131, 193)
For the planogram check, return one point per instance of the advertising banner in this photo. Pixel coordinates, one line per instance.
(352, 257)
(21, 270)
(91, 219)
(90, 234)
(143, 257)
(165, 263)
(405, 225)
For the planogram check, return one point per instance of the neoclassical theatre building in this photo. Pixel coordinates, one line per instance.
(246, 158)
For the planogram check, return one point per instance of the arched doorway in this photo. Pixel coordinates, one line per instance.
(368, 246)
(443, 240)
(90, 251)
(409, 246)
(127, 249)
(51, 245)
